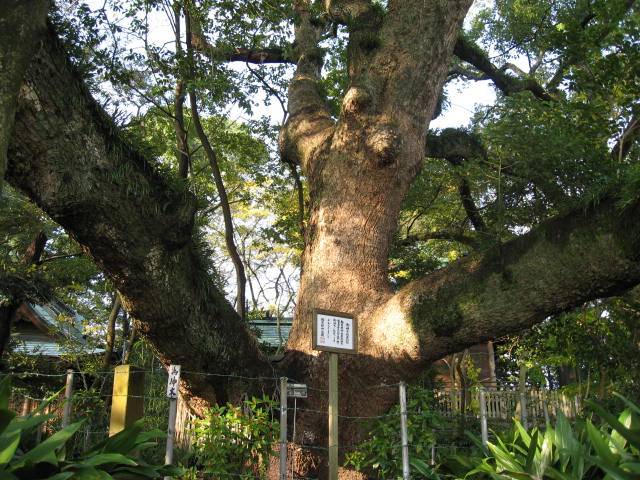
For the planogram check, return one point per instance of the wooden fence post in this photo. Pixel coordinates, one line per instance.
(68, 398)
(523, 409)
(483, 418)
(283, 428)
(403, 431)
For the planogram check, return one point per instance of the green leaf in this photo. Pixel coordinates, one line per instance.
(140, 470)
(600, 444)
(632, 406)
(25, 424)
(8, 445)
(632, 437)
(61, 476)
(526, 439)
(91, 473)
(613, 470)
(102, 458)
(533, 447)
(7, 476)
(122, 442)
(505, 460)
(46, 451)
(544, 460)
(618, 441)
(631, 466)
(5, 419)
(422, 468)
(557, 475)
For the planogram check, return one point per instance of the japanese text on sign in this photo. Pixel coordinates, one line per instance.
(334, 332)
(174, 381)
(297, 390)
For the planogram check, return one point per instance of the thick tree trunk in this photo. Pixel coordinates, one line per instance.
(7, 312)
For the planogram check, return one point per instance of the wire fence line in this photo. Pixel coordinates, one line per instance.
(460, 407)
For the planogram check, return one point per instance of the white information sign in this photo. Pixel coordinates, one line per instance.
(174, 381)
(297, 390)
(335, 332)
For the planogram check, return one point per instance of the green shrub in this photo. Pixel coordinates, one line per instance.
(584, 451)
(112, 458)
(381, 452)
(236, 441)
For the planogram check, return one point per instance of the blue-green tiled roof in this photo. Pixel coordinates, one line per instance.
(268, 328)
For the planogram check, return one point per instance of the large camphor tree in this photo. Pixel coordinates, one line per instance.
(359, 161)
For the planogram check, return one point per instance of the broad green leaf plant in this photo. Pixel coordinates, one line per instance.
(112, 458)
(583, 451)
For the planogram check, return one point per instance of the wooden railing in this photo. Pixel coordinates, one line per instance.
(535, 406)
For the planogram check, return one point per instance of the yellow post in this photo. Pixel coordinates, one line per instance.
(127, 404)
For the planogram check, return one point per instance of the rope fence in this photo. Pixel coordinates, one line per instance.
(476, 409)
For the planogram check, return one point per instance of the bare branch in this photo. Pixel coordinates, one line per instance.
(469, 52)
(450, 236)
(627, 139)
(59, 257)
(456, 146)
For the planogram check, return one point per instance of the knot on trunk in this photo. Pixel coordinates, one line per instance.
(357, 99)
(384, 143)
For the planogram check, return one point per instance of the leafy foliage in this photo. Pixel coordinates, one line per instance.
(562, 453)
(236, 440)
(381, 452)
(598, 342)
(111, 458)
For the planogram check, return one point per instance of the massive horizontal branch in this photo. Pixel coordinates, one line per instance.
(67, 156)
(584, 255)
(17, 42)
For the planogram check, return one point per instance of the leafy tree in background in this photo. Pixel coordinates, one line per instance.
(537, 200)
(597, 344)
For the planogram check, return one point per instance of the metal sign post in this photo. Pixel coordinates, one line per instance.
(334, 332)
(172, 394)
(283, 428)
(404, 436)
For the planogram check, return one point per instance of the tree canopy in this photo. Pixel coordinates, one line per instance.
(292, 134)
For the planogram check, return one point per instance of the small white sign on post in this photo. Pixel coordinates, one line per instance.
(297, 390)
(174, 381)
(335, 332)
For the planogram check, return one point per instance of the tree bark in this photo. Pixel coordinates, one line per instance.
(111, 332)
(7, 311)
(21, 23)
(66, 155)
